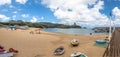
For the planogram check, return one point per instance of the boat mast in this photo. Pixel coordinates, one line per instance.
(110, 26)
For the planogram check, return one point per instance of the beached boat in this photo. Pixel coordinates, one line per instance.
(101, 41)
(8, 54)
(59, 51)
(4, 53)
(74, 42)
(78, 54)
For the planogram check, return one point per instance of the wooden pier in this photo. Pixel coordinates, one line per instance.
(113, 48)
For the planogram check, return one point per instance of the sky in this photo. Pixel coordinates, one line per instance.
(88, 13)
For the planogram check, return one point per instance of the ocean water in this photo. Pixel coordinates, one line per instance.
(77, 31)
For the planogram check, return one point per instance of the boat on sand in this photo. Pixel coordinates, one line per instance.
(101, 41)
(75, 42)
(7, 54)
(78, 54)
(59, 51)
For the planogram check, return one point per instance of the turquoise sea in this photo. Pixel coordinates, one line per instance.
(78, 31)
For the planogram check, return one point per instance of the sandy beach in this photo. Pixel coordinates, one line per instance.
(44, 44)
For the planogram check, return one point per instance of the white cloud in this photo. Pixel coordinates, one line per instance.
(25, 15)
(15, 12)
(34, 19)
(70, 11)
(40, 19)
(3, 2)
(116, 13)
(3, 18)
(22, 1)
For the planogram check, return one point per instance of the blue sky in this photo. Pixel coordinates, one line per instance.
(30, 8)
(109, 5)
(61, 11)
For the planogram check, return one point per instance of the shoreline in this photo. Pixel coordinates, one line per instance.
(59, 30)
(44, 44)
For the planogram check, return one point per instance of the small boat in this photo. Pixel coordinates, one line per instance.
(74, 42)
(101, 41)
(4, 53)
(78, 54)
(59, 51)
(8, 54)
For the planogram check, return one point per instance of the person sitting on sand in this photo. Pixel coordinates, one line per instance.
(13, 50)
(38, 31)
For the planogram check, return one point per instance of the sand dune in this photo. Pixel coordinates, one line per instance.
(44, 44)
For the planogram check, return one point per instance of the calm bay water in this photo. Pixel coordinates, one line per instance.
(71, 31)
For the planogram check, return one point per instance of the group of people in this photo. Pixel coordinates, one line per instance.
(37, 31)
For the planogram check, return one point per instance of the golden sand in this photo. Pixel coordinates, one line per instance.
(44, 44)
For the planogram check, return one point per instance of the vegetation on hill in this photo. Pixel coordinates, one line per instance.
(37, 24)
